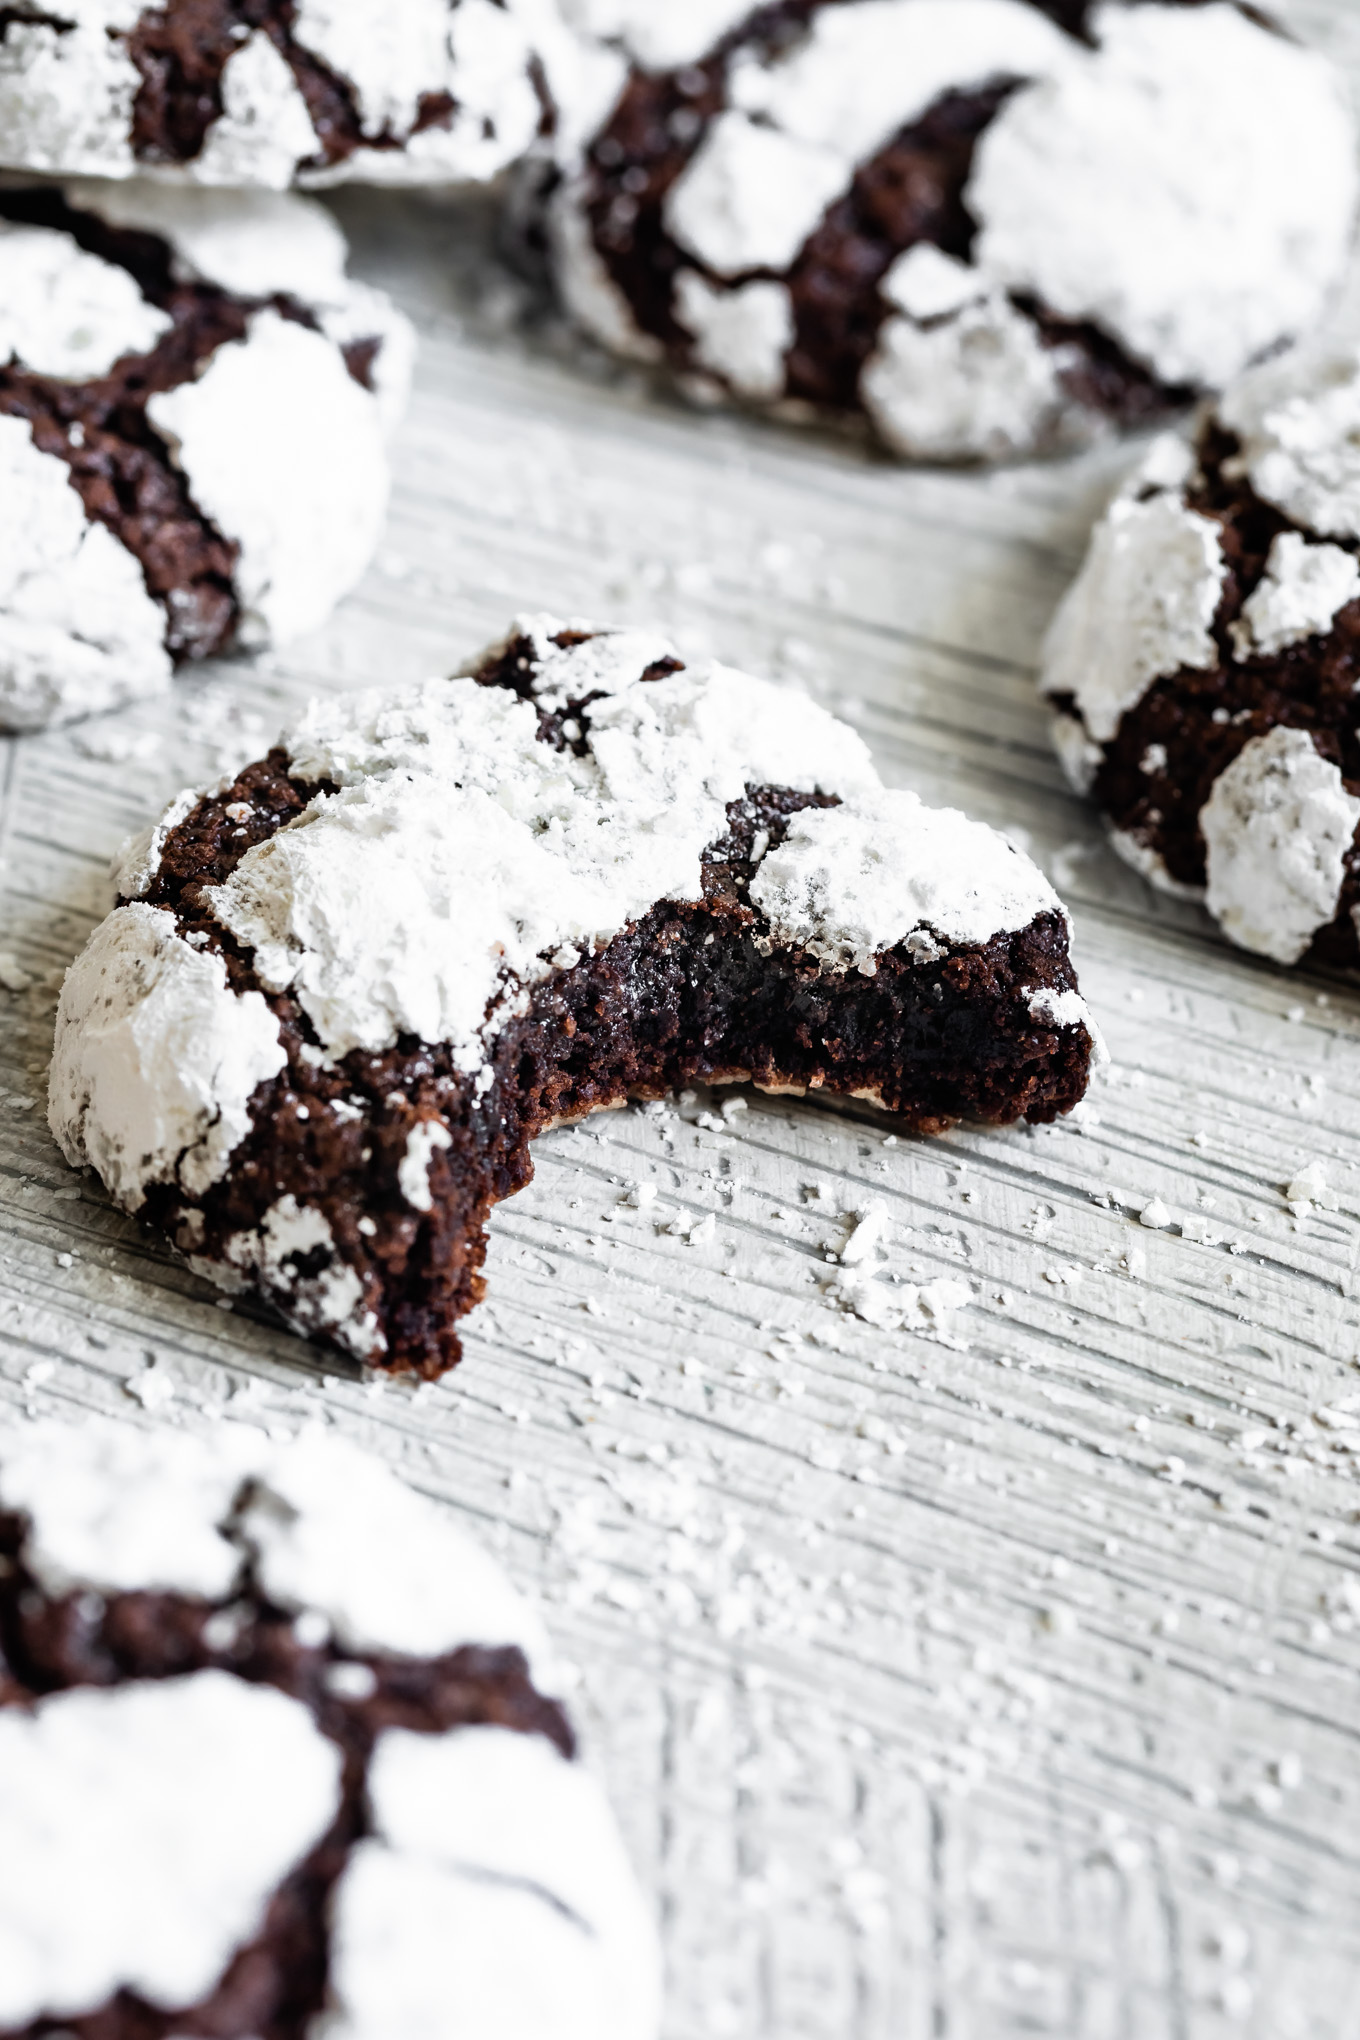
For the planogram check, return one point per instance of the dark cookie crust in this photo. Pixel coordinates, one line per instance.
(276, 1985)
(911, 191)
(683, 995)
(119, 464)
(1203, 719)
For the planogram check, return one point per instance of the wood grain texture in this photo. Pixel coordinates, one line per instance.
(989, 1674)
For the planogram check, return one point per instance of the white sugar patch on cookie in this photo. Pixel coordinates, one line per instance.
(1277, 828)
(1298, 420)
(978, 386)
(741, 335)
(850, 882)
(156, 1059)
(79, 631)
(1140, 609)
(254, 243)
(1303, 589)
(329, 1530)
(283, 450)
(477, 54)
(264, 129)
(67, 87)
(658, 34)
(142, 1833)
(447, 792)
(749, 196)
(487, 1843)
(66, 313)
(1189, 185)
(864, 71)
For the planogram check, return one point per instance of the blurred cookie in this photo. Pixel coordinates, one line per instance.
(193, 408)
(272, 1759)
(231, 93)
(343, 994)
(987, 227)
(1205, 664)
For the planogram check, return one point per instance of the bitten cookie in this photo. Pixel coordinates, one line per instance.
(232, 92)
(193, 406)
(343, 993)
(273, 1761)
(1205, 663)
(987, 227)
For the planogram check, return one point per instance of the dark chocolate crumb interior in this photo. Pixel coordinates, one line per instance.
(682, 995)
(276, 1984)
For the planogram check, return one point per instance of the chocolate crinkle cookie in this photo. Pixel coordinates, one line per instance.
(194, 402)
(258, 92)
(344, 991)
(986, 227)
(1205, 664)
(274, 1764)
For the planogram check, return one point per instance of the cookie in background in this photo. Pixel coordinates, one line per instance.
(275, 1755)
(194, 407)
(979, 229)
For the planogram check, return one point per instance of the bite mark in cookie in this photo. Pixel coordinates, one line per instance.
(345, 992)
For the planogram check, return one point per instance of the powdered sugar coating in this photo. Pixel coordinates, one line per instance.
(118, 1511)
(657, 33)
(283, 450)
(264, 129)
(477, 53)
(1298, 420)
(443, 90)
(750, 196)
(1304, 587)
(1190, 186)
(742, 335)
(1277, 828)
(499, 1834)
(979, 385)
(251, 242)
(867, 69)
(329, 1530)
(128, 1862)
(1140, 609)
(155, 1059)
(78, 631)
(66, 313)
(849, 882)
(67, 85)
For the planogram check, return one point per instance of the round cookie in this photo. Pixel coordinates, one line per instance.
(343, 993)
(1204, 664)
(234, 93)
(985, 228)
(194, 401)
(273, 1759)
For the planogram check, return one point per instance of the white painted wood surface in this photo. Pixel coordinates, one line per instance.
(987, 1676)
